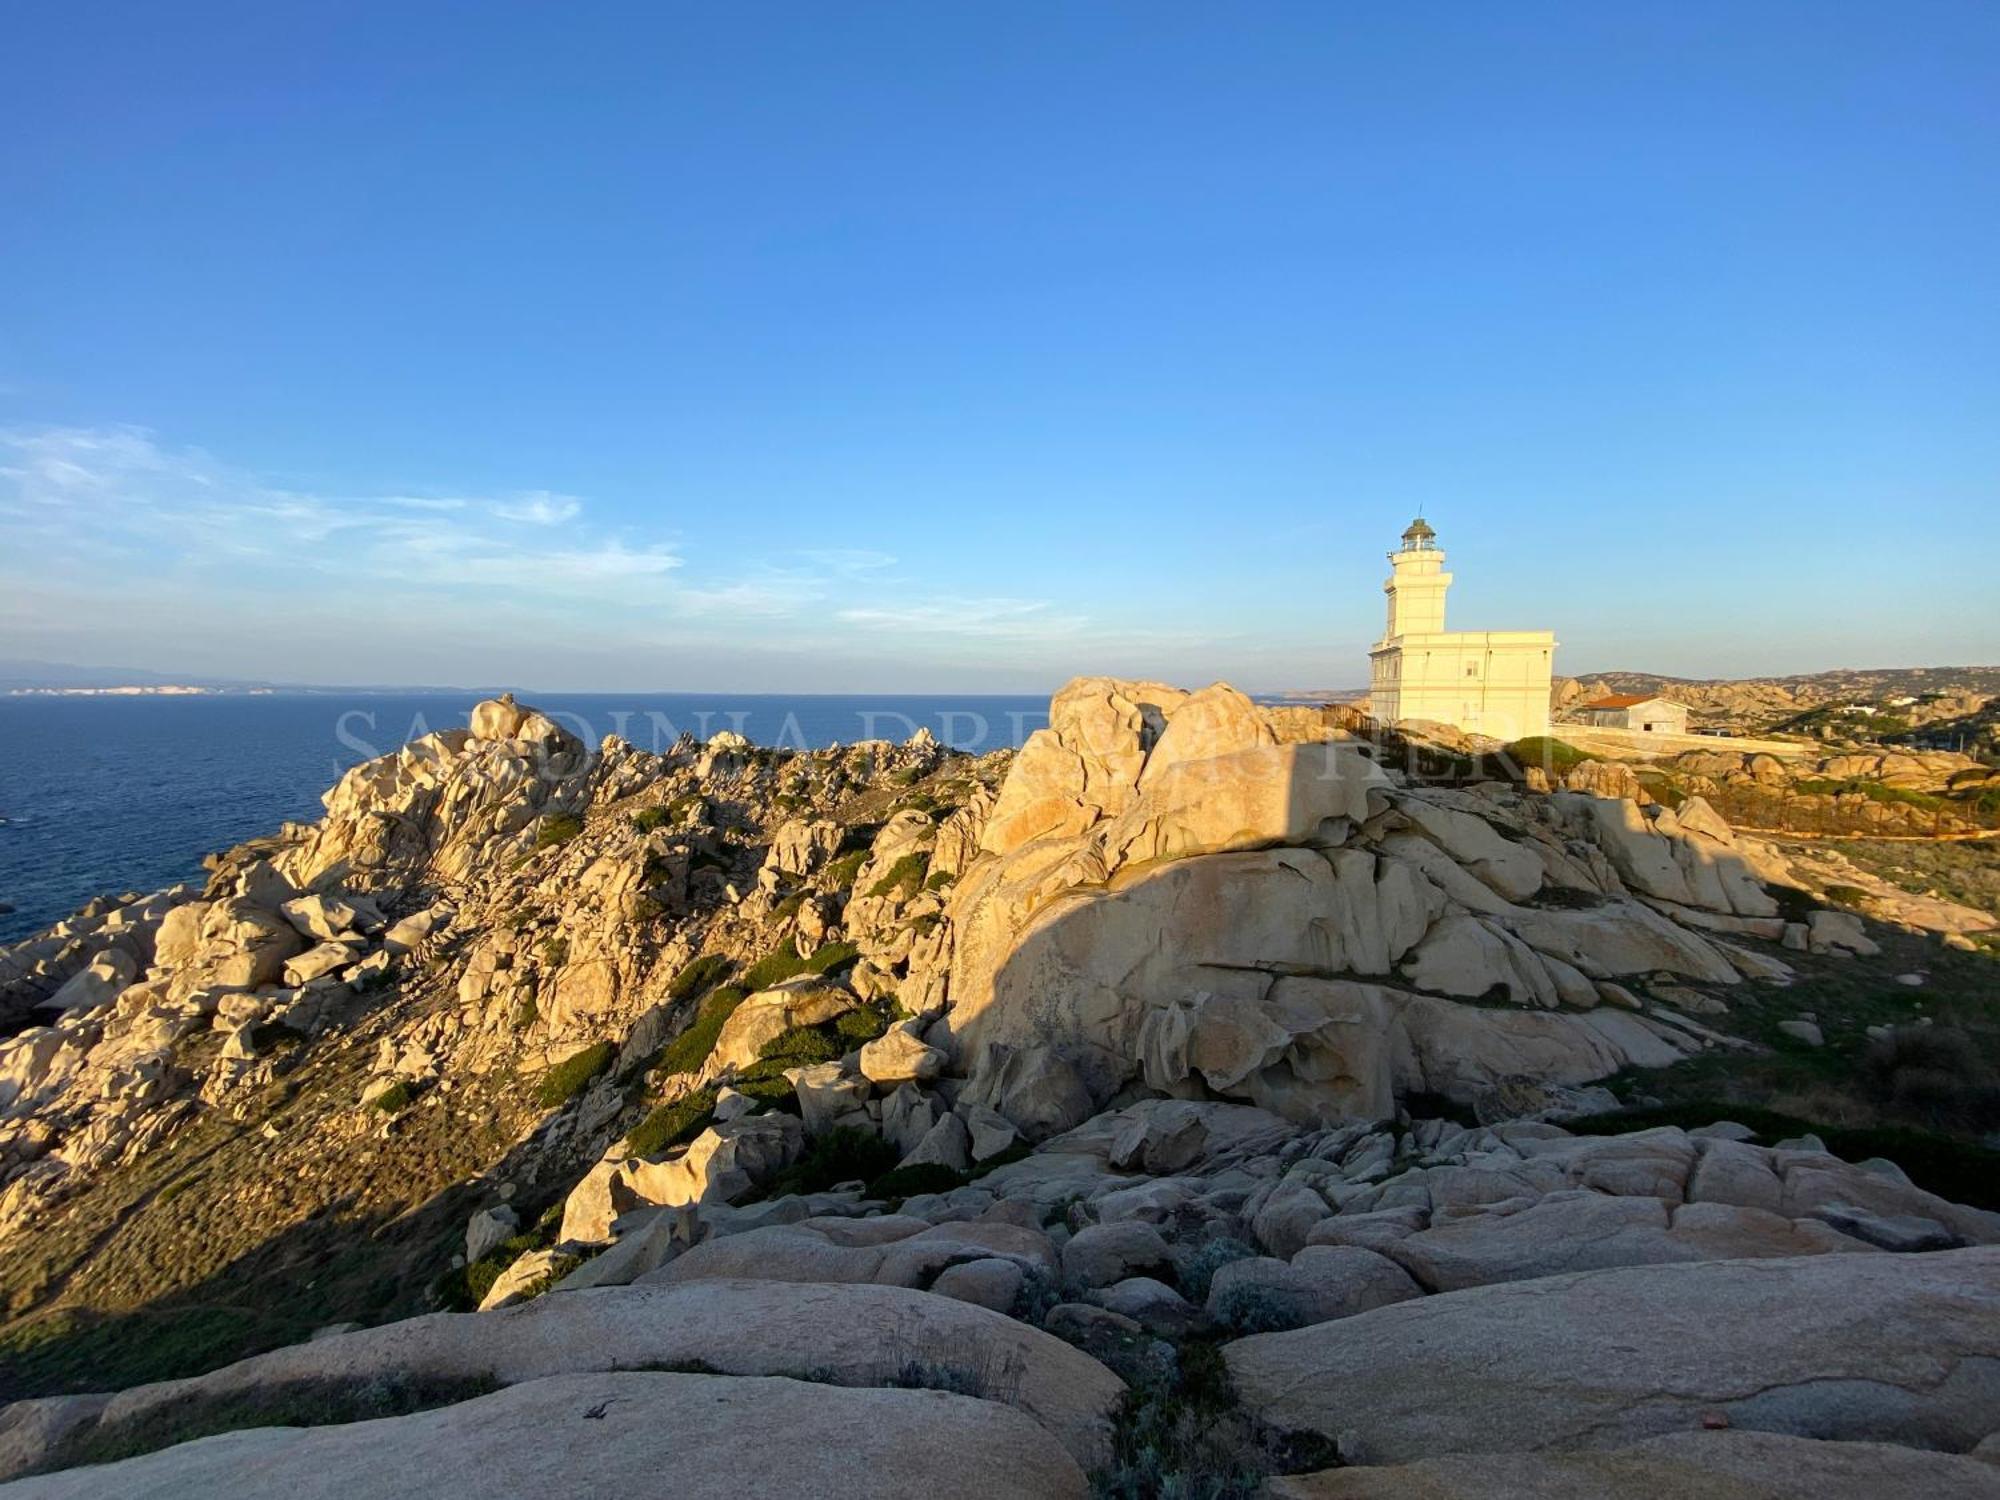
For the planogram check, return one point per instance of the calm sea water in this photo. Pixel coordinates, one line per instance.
(115, 794)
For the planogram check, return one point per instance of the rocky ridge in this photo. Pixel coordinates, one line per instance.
(1041, 1074)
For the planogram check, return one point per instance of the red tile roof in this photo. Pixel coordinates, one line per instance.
(1620, 700)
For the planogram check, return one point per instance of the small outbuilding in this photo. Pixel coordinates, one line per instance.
(1633, 711)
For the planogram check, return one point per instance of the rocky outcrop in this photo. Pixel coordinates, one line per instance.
(853, 1336)
(610, 1434)
(1718, 1465)
(1168, 895)
(1612, 1357)
(624, 1047)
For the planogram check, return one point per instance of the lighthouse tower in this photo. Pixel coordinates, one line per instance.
(1490, 682)
(1416, 584)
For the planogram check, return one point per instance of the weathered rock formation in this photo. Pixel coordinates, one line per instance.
(1168, 896)
(994, 1080)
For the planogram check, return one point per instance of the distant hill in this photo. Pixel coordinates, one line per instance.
(1858, 703)
(16, 674)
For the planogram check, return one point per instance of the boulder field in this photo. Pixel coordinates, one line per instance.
(886, 1117)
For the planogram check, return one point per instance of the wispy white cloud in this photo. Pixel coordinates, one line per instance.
(129, 541)
(1018, 619)
(541, 508)
(120, 489)
(848, 561)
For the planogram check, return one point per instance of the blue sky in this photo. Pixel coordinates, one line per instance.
(906, 346)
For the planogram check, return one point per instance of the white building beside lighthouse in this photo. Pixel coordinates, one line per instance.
(1491, 682)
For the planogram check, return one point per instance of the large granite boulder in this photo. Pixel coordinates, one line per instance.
(1159, 868)
(845, 1335)
(718, 1437)
(1854, 1347)
(1719, 1465)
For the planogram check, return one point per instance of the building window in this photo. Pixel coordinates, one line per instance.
(1472, 669)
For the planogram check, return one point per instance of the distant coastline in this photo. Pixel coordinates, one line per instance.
(135, 690)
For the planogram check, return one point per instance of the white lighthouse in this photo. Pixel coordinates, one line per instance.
(1491, 682)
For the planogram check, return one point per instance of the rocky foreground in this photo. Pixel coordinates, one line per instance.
(1064, 1123)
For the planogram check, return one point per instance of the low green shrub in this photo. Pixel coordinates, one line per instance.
(555, 951)
(1847, 895)
(688, 1051)
(557, 828)
(843, 1154)
(270, 1036)
(572, 1075)
(1019, 1151)
(1246, 1309)
(800, 1046)
(1182, 1432)
(671, 1124)
(840, 874)
(863, 1025)
(698, 975)
(783, 962)
(1197, 1272)
(904, 877)
(667, 815)
(911, 1182)
(1934, 1074)
(1552, 755)
(858, 838)
(394, 1099)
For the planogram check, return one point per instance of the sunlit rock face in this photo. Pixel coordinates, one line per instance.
(1168, 895)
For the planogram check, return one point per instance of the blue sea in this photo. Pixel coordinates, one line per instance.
(113, 794)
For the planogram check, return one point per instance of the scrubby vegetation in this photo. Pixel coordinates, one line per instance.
(784, 962)
(1953, 1169)
(1933, 1074)
(557, 828)
(1547, 752)
(572, 1075)
(396, 1098)
(1967, 872)
(859, 1026)
(904, 877)
(688, 1051)
(799, 1047)
(909, 1182)
(1198, 1271)
(1180, 1431)
(840, 874)
(668, 815)
(673, 1123)
(698, 975)
(842, 1154)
